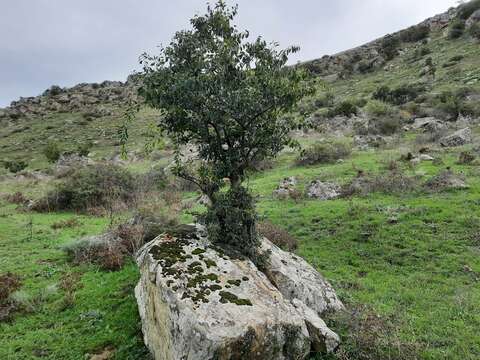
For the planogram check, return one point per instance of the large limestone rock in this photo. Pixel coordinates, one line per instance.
(197, 303)
(458, 138)
(286, 189)
(429, 124)
(297, 279)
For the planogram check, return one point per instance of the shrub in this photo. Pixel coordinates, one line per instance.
(467, 9)
(91, 186)
(365, 67)
(105, 251)
(15, 166)
(84, 149)
(466, 158)
(378, 108)
(415, 33)
(394, 181)
(450, 104)
(399, 95)
(277, 235)
(70, 223)
(324, 153)
(386, 125)
(389, 46)
(474, 31)
(456, 29)
(324, 100)
(16, 198)
(345, 108)
(52, 152)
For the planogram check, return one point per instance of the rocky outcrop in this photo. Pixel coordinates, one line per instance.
(458, 138)
(93, 100)
(429, 124)
(197, 303)
(323, 190)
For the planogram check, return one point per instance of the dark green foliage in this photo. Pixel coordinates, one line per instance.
(365, 67)
(324, 153)
(91, 186)
(388, 125)
(84, 148)
(15, 166)
(52, 151)
(231, 221)
(389, 46)
(456, 29)
(451, 104)
(345, 108)
(474, 31)
(415, 33)
(400, 95)
(227, 96)
(467, 9)
(53, 91)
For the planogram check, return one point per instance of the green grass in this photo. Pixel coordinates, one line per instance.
(412, 272)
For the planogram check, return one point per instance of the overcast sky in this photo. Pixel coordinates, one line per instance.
(65, 42)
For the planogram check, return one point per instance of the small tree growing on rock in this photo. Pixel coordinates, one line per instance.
(227, 96)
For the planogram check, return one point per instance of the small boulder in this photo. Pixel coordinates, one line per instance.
(323, 190)
(286, 189)
(458, 138)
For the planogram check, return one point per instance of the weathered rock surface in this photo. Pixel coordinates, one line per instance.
(297, 279)
(429, 124)
(197, 303)
(323, 190)
(458, 138)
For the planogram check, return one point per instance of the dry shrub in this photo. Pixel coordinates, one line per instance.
(69, 223)
(277, 235)
(466, 158)
(131, 235)
(430, 137)
(105, 250)
(368, 336)
(9, 283)
(395, 181)
(16, 198)
(324, 153)
(70, 283)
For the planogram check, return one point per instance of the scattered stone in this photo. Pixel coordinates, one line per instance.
(286, 189)
(425, 157)
(458, 138)
(323, 190)
(474, 18)
(446, 180)
(429, 124)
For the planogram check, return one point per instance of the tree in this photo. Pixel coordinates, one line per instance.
(228, 97)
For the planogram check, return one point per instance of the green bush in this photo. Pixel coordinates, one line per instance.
(389, 46)
(91, 187)
(345, 108)
(400, 95)
(415, 33)
(474, 31)
(84, 148)
(378, 108)
(52, 151)
(456, 29)
(365, 67)
(15, 166)
(324, 153)
(324, 100)
(467, 9)
(387, 125)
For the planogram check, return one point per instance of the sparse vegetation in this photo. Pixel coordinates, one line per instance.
(15, 166)
(324, 153)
